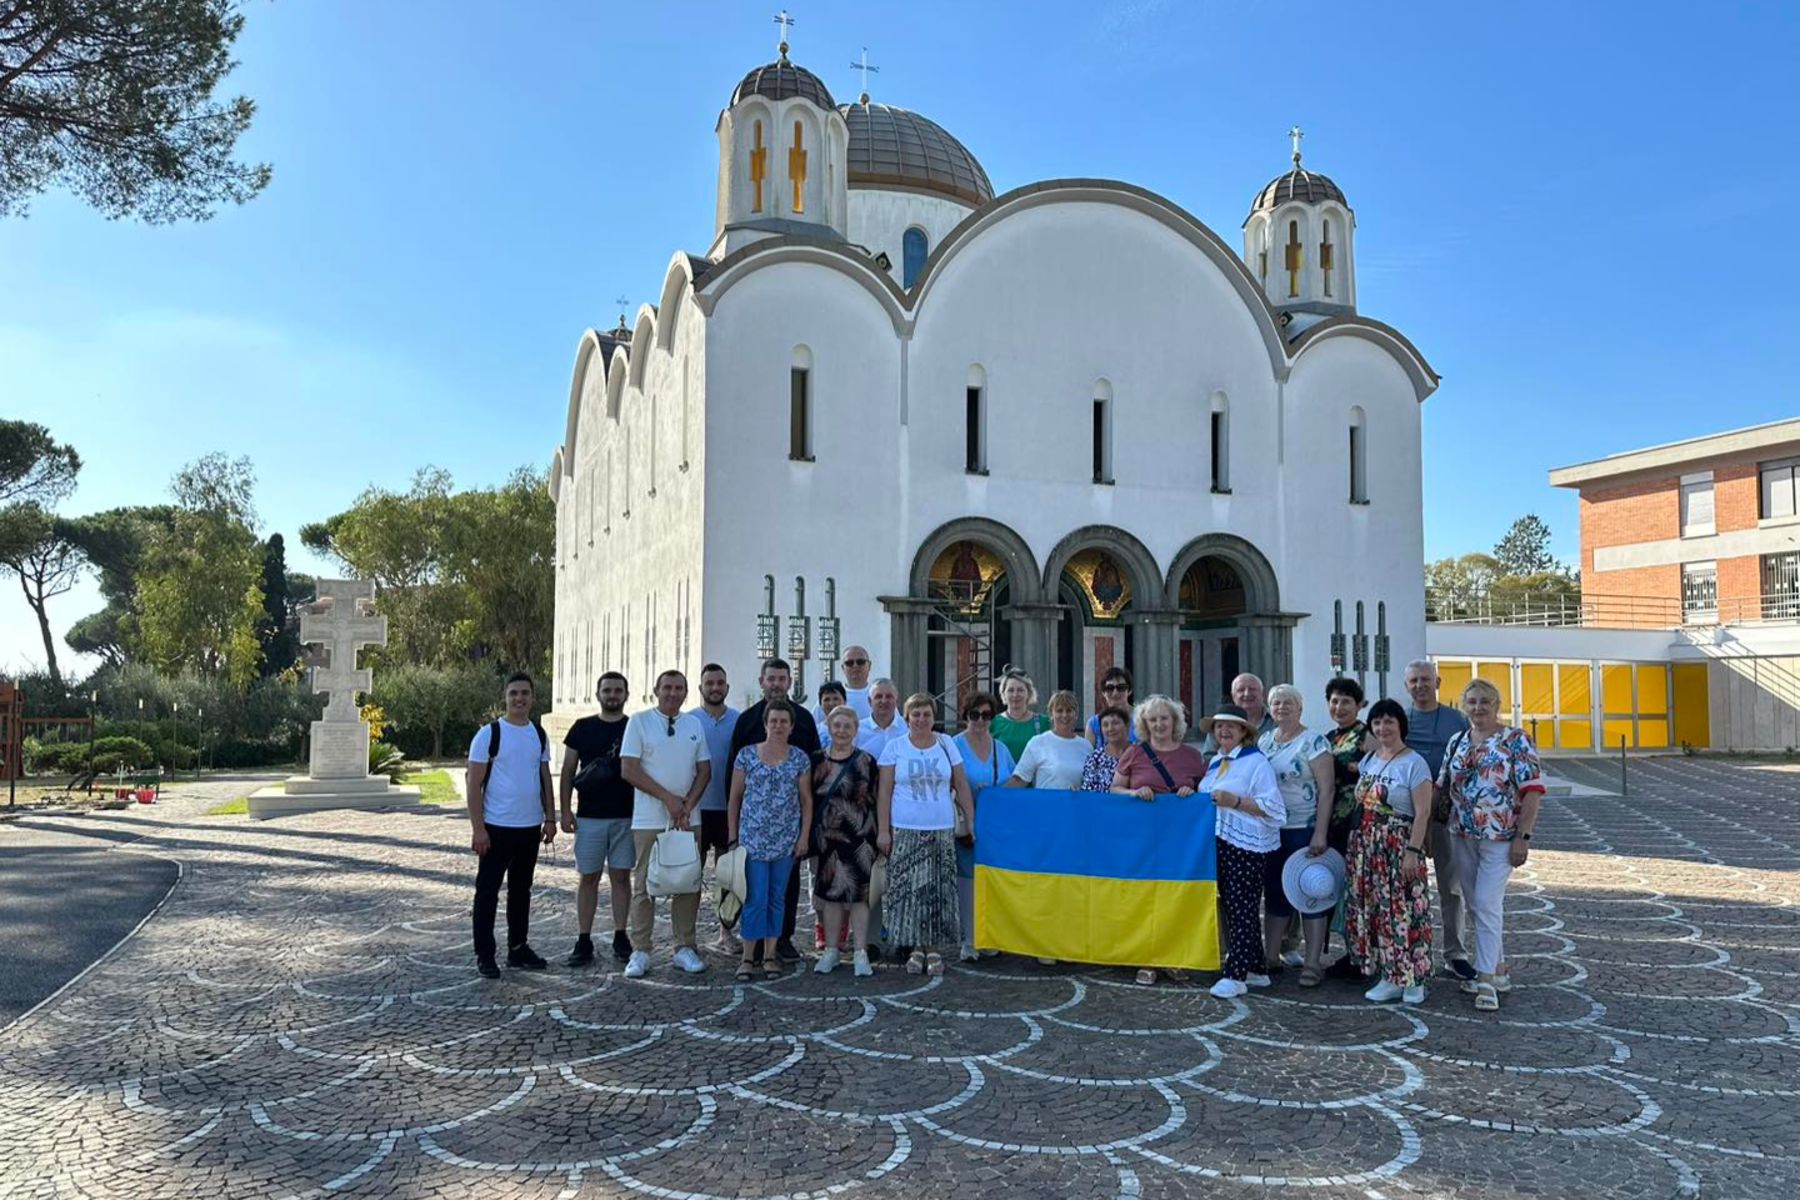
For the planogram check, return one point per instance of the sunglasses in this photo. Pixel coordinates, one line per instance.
(982, 714)
(1114, 687)
(856, 662)
(671, 721)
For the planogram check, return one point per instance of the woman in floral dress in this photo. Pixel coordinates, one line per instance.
(770, 813)
(1494, 783)
(1388, 919)
(844, 780)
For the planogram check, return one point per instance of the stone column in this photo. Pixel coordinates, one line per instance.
(1034, 630)
(909, 645)
(1268, 650)
(1157, 663)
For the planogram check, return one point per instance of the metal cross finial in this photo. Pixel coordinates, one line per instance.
(867, 68)
(623, 304)
(786, 22)
(1296, 135)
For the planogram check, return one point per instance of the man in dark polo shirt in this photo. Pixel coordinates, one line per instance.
(776, 678)
(601, 819)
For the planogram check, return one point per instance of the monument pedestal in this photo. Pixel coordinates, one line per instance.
(303, 794)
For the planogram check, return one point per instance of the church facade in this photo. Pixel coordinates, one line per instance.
(1063, 427)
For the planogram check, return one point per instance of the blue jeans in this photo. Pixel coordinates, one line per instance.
(765, 889)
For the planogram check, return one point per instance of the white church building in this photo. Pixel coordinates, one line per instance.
(1063, 427)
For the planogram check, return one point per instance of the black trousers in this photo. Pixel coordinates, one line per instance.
(512, 854)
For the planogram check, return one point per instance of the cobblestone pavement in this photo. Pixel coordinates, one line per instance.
(301, 1018)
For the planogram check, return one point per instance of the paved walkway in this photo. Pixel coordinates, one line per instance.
(301, 1019)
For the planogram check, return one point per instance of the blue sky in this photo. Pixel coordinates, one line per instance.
(1577, 212)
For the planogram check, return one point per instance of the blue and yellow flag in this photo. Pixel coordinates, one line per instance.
(1097, 877)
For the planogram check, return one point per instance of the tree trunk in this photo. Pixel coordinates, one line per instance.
(43, 616)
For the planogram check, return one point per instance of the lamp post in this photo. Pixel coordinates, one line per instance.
(175, 735)
(200, 745)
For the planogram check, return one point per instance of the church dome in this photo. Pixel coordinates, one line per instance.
(782, 80)
(1308, 187)
(893, 147)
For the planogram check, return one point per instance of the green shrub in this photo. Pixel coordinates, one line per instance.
(386, 760)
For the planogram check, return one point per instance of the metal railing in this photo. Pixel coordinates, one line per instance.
(1603, 611)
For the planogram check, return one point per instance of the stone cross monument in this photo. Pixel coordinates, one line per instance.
(342, 621)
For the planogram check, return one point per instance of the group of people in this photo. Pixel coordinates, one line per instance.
(1316, 829)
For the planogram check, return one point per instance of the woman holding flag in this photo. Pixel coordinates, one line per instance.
(986, 763)
(1160, 763)
(1250, 811)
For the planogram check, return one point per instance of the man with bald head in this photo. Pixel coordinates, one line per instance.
(1247, 693)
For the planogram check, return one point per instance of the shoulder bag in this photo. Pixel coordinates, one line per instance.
(674, 864)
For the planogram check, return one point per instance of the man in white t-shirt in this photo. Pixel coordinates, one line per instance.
(510, 814)
(856, 679)
(666, 758)
(883, 724)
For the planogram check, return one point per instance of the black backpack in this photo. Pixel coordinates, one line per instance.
(494, 751)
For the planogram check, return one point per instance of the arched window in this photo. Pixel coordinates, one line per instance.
(914, 249)
(1220, 432)
(1359, 458)
(800, 398)
(1103, 414)
(1327, 255)
(975, 422)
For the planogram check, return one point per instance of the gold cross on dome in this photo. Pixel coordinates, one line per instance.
(797, 167)
(1296, 135)
(786, 22)
(759, 167)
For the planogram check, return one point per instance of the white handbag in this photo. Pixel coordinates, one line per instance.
(674, 864)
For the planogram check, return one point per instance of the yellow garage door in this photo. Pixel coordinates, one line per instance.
(1575, 704)
(1537, 702)
(1693, 706)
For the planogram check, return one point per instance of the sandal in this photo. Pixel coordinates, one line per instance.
(746, 972)
(773, 968)
(1310, 977)
(1487, 999)
(934, 964)
(1146, 977)
(915, 963)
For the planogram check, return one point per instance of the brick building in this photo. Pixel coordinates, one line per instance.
(1700, 532)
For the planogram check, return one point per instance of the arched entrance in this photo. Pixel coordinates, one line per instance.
(1107, 584)
(967, 641)
(972, 606)
(1230, 617)
(1209, 647)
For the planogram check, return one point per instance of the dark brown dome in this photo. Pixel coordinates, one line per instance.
(894, 147)
(1308, 187)
(782, 80)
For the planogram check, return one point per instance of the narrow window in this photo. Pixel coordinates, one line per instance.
(1697, 504)
(800, 417)
(913, 250)
(685, 418)
(1699, 592)
(1779, 485)
(1359, 463)
(797, 167)
(1295, 258)
(1103, 433)
(759, 168)
(1221, 445)
(975, 423)
(1326, 256)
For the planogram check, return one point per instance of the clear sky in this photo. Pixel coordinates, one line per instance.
(1580, 213)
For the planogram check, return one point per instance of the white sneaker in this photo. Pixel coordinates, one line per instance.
(1228, 989)
(860, 964)
(1257, 980)
(1292, 958)
(1413, 995)
(1383, 993)
(687, 960)
(639, 966)
(827, 963)
(967, 953)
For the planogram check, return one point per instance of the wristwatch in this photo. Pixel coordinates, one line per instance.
(1526, 836)
(1418, 850)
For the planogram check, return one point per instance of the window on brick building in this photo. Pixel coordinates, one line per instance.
(1780, 488)
(1699, 592)
(1781, 586)
(1697, 504)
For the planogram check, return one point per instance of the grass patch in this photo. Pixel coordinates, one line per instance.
(231, 808)
(434, 786)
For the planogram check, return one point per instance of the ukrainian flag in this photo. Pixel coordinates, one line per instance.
(1097, 877)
